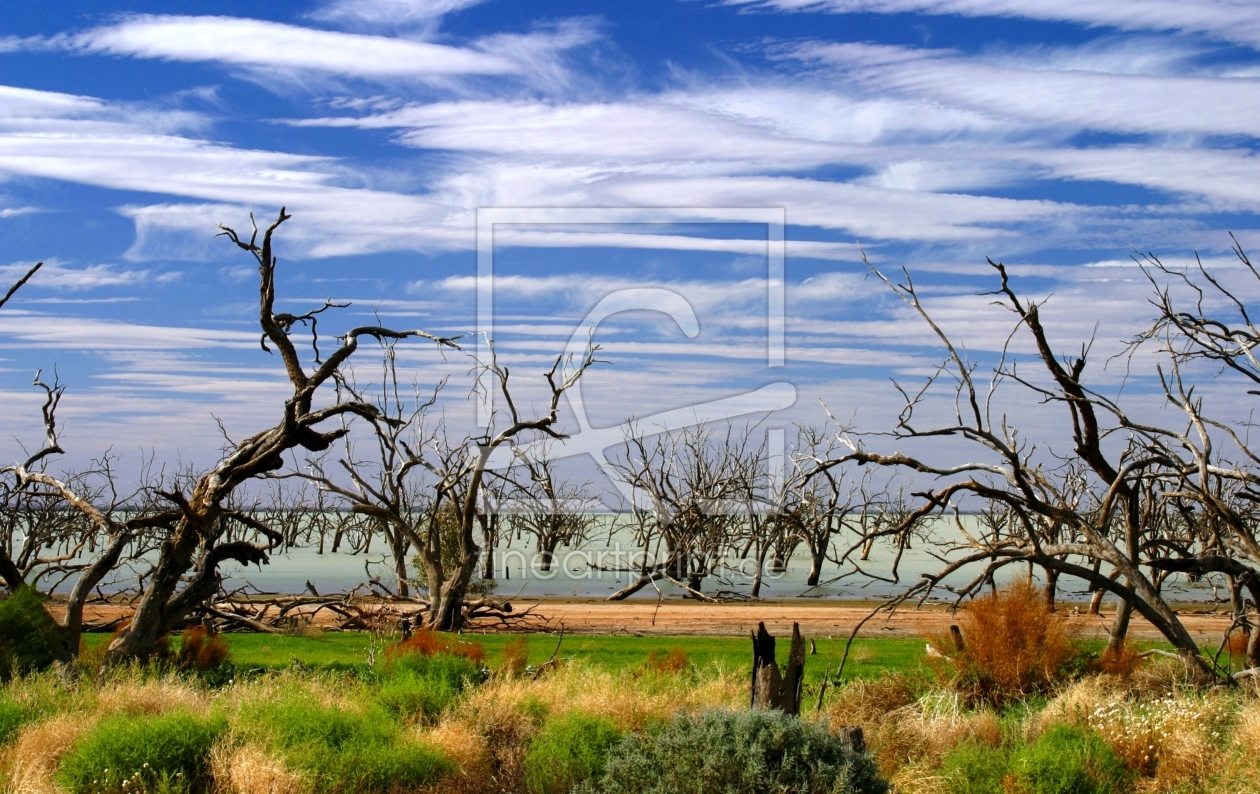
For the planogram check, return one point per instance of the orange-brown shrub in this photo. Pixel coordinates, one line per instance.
(1237, 644)
(201, 650)
(514, 656)
(672, 661)
(1121, 662)
(427, 642)
(1013, 644)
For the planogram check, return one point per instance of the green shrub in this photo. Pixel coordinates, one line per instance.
(364, 767)
(12, 717)
(29, 637)
(415, 696)
(568, 751)
(458, 671)
(169, 752)
(1069, 760)
(973, 768)
(415, 685)
(753, 752)
(344, 751)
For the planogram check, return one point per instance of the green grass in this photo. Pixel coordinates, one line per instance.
(12, 717)
(569, 750)
(364, 752)
(869, 658)
(168, 752)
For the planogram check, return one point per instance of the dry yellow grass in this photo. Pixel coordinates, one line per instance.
(867, 702)
(1247, 728)
(1175, 742)
(33, 759)
(1241, 771)
(325, 691)
(1076, 703)
(469, 751)
(908, 736)
(628, 700)
(251, 770)
(918, 778)
(136, 696)
(503, 714)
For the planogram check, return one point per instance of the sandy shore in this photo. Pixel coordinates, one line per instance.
(817, 618)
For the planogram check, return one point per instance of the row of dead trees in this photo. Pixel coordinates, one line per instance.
(1131, 505)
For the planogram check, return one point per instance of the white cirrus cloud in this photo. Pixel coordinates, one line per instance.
(88, 141)
(571, 238)
(772, 127)
(261, 44)
(58, 275)
(85, 333)
(1225, 179)
(1128, 103)
(390, 12)
(1228, 20)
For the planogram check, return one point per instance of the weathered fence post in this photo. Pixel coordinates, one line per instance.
(771, 689)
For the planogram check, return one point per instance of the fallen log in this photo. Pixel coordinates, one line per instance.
(231, 617)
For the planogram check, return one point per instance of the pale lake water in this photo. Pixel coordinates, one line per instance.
(575, 572)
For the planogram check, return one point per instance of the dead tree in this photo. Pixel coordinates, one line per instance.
(555, 511)
(880, 517)
(76, 530)
(448, 588)
(185, 573)
(1052, 527)
(774, 507)
(1212, 469)
(768, 525)
(822, 502)
(685, 512)
(382, 487)
(491, 518)
(431, 491)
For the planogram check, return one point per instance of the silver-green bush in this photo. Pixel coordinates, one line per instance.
(725, 752)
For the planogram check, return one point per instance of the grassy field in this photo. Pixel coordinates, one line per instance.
(1019, 708)
(869, 658)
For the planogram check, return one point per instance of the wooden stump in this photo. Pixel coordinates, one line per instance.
(852, 736)
(771, 689)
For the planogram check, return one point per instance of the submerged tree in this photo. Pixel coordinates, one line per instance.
(543, 504)
(687, 491)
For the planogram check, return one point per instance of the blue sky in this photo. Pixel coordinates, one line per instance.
(1057, 137)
